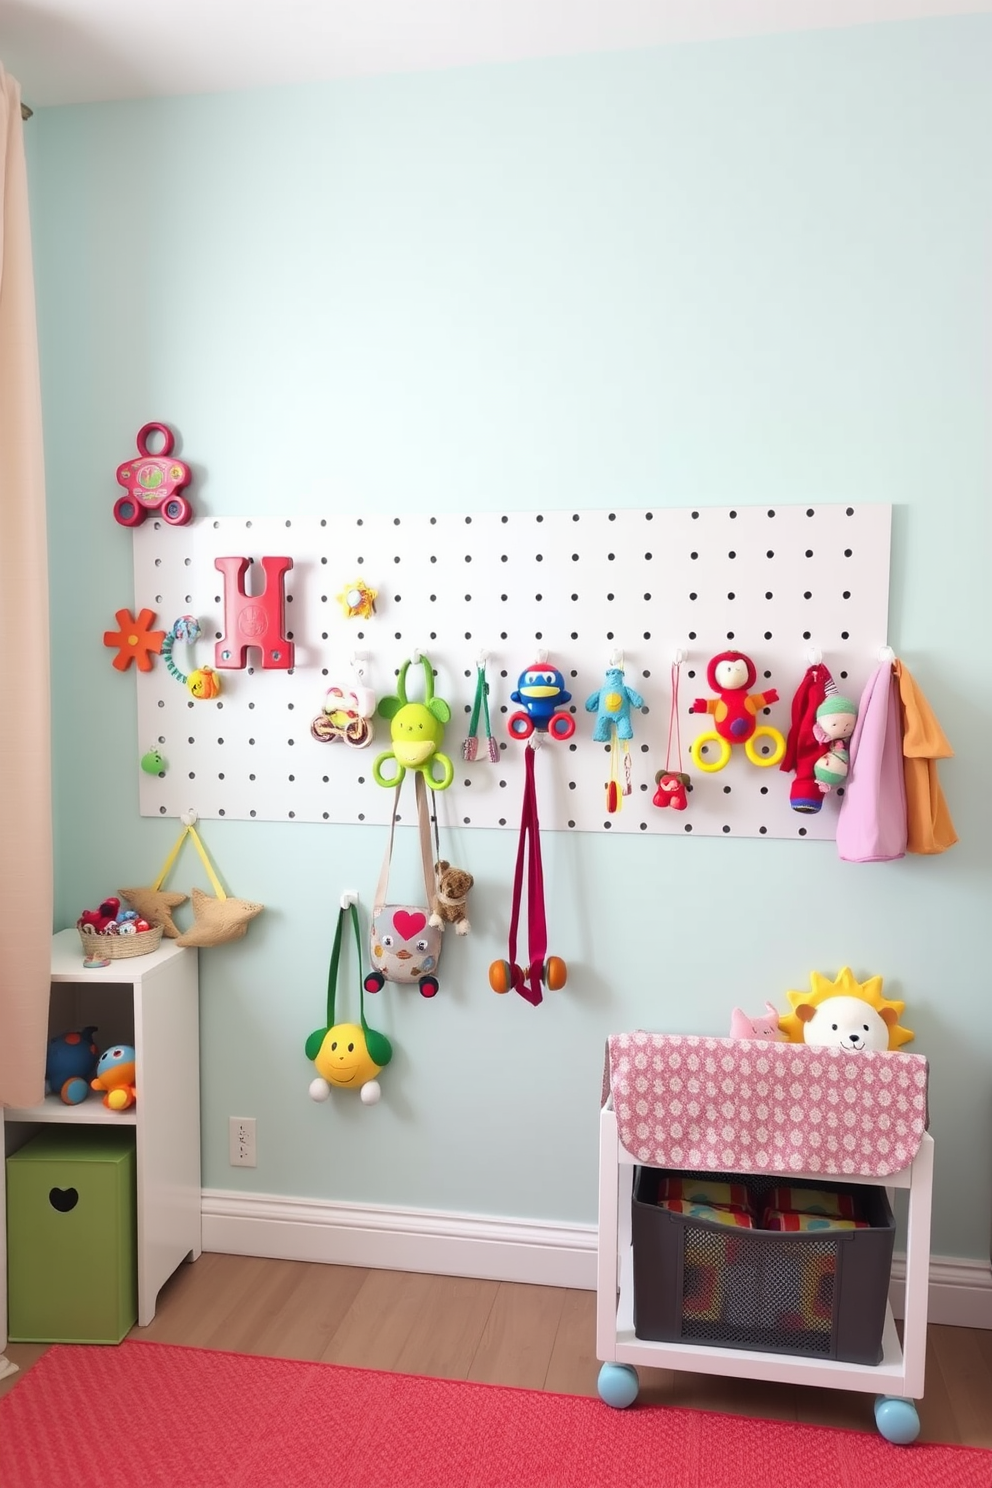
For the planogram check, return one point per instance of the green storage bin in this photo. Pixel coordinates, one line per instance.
(71, 1237)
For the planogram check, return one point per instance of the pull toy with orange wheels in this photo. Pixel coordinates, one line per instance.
(507, 976)
(541, 690)
(734, 711)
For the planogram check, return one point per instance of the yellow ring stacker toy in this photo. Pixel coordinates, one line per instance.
(710, 766)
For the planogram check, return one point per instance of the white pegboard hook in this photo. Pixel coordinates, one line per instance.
(679, 656)
(188, 818)
(814, 655)
(348, 898)
(616, 657)
(887, 654)
(416, 655)
(542, 656)
(482, 658)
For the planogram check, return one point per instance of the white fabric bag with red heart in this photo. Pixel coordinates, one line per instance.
(406, 938)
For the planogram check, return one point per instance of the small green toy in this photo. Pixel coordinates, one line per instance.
(152, 763)
(416, 731)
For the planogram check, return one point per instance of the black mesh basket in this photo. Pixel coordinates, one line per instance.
(818, 1293)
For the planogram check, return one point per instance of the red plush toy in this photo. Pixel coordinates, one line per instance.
(803, 748)
(671, 790)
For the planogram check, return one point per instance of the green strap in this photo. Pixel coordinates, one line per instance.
(480, 702)
(477, 701)
(485, 702)
(332, 975)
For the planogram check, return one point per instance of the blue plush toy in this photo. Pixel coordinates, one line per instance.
(71, 1064)
(612, 704)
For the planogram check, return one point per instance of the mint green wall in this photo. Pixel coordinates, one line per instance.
(742, 272)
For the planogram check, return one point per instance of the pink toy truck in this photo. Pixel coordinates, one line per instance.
(153, 482)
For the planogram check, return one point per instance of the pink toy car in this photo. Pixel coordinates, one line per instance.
(153, 482)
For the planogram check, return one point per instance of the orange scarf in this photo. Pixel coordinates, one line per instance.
(923, 743)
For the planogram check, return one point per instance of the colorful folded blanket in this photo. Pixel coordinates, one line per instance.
(706, 1191)
(776, 1219)
(713, 1213)
(812, 1201)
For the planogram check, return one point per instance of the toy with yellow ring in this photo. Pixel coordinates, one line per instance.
(734, 711)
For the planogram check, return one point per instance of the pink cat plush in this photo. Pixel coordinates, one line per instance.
(766, 1027)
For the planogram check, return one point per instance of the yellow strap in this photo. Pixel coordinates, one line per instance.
(170, 860)
(615, 756)
(214, 880)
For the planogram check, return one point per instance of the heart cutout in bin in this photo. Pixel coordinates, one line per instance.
(63, 1199)
(408, 923)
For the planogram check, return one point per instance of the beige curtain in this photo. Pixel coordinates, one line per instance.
(25, 748)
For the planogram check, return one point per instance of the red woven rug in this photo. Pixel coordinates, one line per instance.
(148, 1415)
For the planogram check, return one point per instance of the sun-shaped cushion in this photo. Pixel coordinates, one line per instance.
(846, 1014)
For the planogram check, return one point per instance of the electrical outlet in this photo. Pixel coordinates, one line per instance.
(241, 1135)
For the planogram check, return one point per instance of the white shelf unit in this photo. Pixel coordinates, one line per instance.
(901, 1371)
(151, 1002)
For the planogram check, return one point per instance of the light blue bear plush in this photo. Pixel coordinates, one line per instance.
(612, 704)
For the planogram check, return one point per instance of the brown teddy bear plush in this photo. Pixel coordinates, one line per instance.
(453, 885)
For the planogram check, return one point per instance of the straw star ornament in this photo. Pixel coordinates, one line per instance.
(218, 920)
(156, 906)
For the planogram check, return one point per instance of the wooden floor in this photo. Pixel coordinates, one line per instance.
(506, 1333)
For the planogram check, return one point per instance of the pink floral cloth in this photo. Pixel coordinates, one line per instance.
(751, 1106)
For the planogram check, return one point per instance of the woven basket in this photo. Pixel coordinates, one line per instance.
(119, 947)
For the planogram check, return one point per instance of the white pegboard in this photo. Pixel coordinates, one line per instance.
(772, 582)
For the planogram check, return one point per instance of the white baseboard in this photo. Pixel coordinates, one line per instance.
(400, 1239)
(960, 1291)
(531, 1251)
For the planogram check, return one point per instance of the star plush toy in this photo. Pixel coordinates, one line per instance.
(156, 906)
(216, 921)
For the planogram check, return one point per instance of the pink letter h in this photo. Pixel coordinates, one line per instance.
(256, 619)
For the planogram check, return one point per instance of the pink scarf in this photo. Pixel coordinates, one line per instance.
(871, 826)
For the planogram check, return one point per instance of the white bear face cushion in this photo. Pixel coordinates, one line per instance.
(846, 1023)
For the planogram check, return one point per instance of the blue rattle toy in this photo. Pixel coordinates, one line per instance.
(541, 692)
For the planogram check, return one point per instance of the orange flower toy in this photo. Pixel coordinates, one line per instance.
(734, 711)
(135, 640)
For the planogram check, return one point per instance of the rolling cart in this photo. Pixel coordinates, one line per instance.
(717, 1106)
